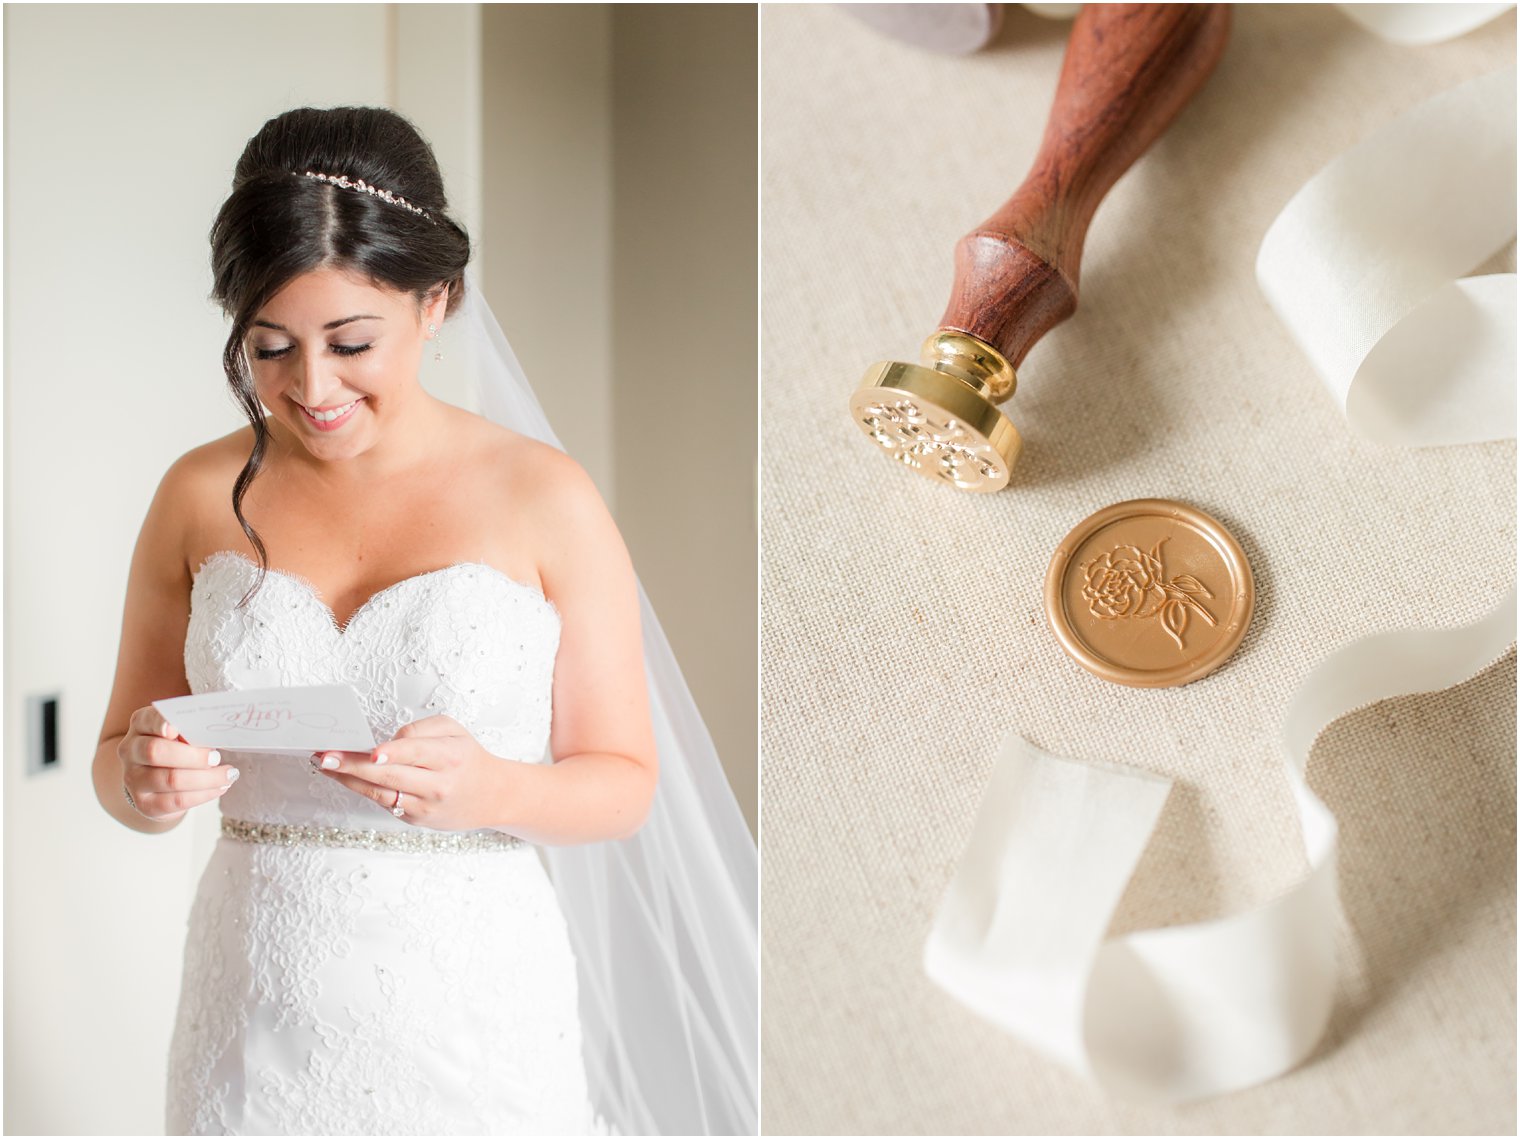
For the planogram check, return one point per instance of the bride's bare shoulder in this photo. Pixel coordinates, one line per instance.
(185, 506)
(207, 472)
(559, 519)
(556, 508)
(538, 475)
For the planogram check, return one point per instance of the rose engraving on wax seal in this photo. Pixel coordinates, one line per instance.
(1128, 584)
(1131, 572)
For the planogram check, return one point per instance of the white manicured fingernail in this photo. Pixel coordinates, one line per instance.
(382, 758)
(329, 762)
(169, 730)
(232, 774)
(214, 757)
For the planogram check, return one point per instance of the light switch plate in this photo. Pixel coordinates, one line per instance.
(42, 720)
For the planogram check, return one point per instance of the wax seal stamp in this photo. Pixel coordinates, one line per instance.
(1129, 70)
(1150, 593)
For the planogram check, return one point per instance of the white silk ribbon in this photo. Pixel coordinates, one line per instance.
(1360, 267)
(1186, 1011)
(1422, 23)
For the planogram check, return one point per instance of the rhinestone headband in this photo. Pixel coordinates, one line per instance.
(361, 185)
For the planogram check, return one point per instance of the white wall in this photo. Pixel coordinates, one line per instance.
(620, 242)
(685, 364)
(434, 79)
(122, 124)
(546, 237)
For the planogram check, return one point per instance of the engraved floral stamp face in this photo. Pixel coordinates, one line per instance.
(932, 442)
(1149, 593)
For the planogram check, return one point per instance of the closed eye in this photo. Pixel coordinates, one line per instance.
(338, 349)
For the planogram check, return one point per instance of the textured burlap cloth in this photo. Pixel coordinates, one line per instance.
(902, 625)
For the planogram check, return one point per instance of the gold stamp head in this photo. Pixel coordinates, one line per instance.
(1149, 593)
(940, 418)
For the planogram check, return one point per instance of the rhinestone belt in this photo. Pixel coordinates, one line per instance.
(419, 841)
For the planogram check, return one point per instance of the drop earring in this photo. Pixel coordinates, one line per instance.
(432, 334)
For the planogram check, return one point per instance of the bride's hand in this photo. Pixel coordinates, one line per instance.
(163, 776)
(446, 779)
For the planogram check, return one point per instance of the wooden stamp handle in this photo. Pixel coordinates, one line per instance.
(1129, 70)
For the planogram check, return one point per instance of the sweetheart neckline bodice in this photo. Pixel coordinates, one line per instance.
(464, 641)
(370, 602)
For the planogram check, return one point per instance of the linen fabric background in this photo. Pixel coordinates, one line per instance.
(902, 623)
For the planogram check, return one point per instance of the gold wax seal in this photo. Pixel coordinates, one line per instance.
(1150, 593)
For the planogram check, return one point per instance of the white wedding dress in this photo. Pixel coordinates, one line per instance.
(349, 990)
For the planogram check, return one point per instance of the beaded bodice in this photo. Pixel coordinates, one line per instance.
(466, 641)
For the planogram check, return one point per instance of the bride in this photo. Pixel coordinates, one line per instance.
(375, 946)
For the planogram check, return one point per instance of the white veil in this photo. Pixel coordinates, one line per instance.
(663, 923)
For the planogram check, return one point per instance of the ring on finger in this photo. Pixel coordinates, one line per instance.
(396, 808)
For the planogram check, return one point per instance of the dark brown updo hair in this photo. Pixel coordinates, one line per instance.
(278, 224)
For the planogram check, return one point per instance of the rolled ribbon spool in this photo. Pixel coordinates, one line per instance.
(953, 29)
(1129, 70)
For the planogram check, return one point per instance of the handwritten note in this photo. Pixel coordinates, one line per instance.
(283, 721)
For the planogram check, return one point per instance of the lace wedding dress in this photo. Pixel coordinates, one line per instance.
(339, 989)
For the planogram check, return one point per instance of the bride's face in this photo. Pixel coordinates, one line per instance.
(335, 359)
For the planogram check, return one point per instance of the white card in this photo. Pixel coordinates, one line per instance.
(286, 721)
